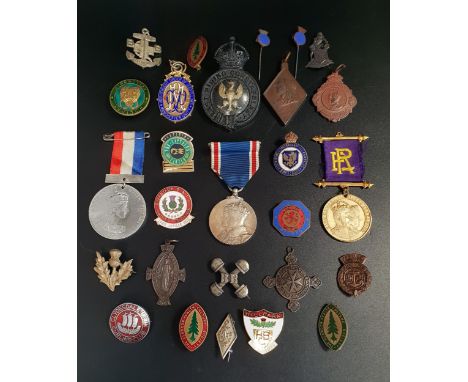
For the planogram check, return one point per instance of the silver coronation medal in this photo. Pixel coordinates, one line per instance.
(117, 211)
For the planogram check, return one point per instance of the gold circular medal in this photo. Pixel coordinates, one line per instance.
(346, 218)
(232, 221)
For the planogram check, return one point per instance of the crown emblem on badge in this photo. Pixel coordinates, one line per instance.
(231, 55)
(291, 137)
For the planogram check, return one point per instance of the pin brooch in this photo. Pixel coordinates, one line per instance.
(193, 327)
(263, 328)
(173, 206)
(353, 277)
(143, 51)
(263, 40)
(120, 271)
(332, 327)
(177, 151)
(129, 97)
(334, 100)
(319, 53)
(290, 159)
(176, 97)
(299, 39)
(285, 95)
(197, 52)
(129, 323)
(165, 274)
(242, 266)
(231, 96)
(226, 336)
(291, 218)
(291, 281)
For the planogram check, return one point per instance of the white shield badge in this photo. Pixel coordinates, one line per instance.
(263, 328)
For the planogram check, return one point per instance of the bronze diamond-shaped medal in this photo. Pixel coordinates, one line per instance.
(285, 94)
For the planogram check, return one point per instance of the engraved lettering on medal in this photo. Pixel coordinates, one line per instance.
(340, 160)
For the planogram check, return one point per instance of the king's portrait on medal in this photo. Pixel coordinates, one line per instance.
(233, 224)
(348, 220)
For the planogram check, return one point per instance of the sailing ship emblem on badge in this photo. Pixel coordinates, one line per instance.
(176, 97)
(263, 328)
(231, 96)
(193, 327)
(291, 282)
(165, 274)
(173, 206)
(129, 323)
(353, 277)
(290, 159)
(197, 52)
(291, 218)
(332, 327)
(177, 152)
(143, 51)
(129, 97)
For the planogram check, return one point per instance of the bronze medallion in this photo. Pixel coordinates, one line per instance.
(285, 94)
(353, 276)
(165, 274)
(346, 218)
(291, 281)
(334, 100)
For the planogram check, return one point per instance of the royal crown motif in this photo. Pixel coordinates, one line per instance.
(231, 55)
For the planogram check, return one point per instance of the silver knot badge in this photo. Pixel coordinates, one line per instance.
(217, 265)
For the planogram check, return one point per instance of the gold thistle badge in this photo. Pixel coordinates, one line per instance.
(116, 276)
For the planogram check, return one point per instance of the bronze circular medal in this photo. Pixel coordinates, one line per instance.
(334, 99)
(353, 277)
(346, 218)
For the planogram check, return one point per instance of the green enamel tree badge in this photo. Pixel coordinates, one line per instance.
(193, 328)
(332, 327)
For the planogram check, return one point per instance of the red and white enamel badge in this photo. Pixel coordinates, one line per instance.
(193, 327)
(173, 206)
(263, 328)
(129, 323)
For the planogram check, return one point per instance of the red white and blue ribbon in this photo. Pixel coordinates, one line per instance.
(128, 153)
(235, 162)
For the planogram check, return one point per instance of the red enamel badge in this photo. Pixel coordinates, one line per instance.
(129, 323)
(193, 327)
(173, 206)
(197, 52)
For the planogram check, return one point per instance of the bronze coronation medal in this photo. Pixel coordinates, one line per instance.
(334, 100)
(353, 277)
(233, 221)
(285, 94)
(345, 217)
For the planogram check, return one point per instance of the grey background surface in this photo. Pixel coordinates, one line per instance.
(359, 34)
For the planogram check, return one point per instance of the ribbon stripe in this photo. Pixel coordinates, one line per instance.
(128, 153)
(235, 162)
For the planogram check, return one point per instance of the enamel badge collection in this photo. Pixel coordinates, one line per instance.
(231, 99)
